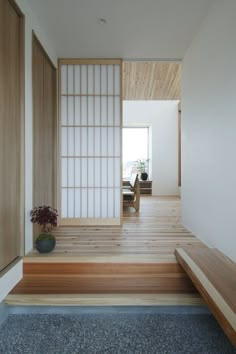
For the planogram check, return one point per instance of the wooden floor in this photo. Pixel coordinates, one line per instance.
(115, 263)
(152, 234)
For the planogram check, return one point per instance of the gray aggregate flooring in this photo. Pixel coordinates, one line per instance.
(139, 333)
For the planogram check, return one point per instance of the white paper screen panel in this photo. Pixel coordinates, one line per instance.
(90, 131)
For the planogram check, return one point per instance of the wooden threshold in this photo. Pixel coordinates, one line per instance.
(119, 258)
(214, 275)
(106, 300)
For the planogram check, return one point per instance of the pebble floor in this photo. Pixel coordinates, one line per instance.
(113, 333)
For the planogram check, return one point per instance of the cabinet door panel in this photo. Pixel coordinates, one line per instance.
(10, 133)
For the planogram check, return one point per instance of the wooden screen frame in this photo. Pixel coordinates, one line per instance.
(87, 221)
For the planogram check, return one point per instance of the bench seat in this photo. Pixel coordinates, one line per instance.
(127, 194)
(214, 275)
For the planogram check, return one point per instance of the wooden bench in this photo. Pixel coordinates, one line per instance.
(214, 275)
(131, 193)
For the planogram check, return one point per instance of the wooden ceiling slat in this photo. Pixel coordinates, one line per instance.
(151, 81)
(171, 73)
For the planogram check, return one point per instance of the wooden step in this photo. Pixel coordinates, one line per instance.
(102, 278)
(105, 300)
(214, 275)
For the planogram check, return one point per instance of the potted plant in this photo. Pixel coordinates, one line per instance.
(47, 218)
(141, 166)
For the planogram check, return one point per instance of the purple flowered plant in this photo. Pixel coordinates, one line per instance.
(45, 216)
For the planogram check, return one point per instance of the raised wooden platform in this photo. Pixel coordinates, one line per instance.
(135, 261)
(67, 281)
(103, 278)
(214, 275)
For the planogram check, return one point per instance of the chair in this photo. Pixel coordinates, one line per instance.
(131, 193)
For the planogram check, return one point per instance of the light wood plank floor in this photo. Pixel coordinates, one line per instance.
(151, 235)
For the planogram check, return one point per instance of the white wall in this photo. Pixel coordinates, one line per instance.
(162, 117)
(209, 130)
(30, 24)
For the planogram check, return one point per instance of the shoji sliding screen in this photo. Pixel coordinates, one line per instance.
(90, 141)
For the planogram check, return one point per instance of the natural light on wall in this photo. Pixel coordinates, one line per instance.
(135, 147)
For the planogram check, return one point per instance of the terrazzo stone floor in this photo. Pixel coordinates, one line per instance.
(139, 333)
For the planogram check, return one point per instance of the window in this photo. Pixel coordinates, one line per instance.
(135, 147)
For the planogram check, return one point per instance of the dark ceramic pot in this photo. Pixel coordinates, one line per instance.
(144, 176)
(45, 243)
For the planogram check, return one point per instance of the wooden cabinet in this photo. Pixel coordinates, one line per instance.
(146, 187)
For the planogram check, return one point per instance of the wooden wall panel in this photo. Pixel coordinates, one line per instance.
(11, 120)
(38, 125)
(50, 125)
(44, 126)
(179, 144)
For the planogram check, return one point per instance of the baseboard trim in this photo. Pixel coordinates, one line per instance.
(77, 310)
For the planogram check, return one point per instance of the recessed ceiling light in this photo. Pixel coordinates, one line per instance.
(102, 21)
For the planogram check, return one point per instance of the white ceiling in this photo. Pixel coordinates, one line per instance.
(154, 29)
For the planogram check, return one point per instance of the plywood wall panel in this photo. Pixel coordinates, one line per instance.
(11, 121)
(44, 126)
